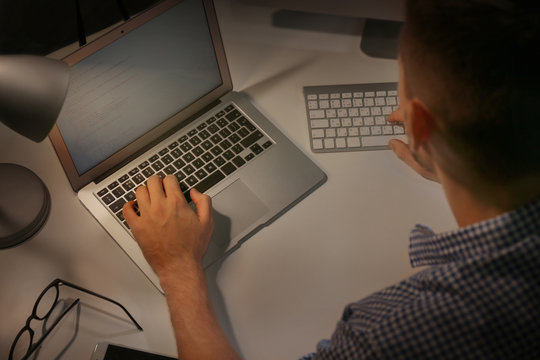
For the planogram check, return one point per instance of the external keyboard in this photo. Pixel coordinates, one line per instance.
(351, 117)
(202, 157)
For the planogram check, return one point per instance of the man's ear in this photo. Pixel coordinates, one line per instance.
(421, 123)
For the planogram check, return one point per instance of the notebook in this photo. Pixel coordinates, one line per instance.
(154, 96)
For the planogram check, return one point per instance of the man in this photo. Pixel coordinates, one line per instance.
(467, 88)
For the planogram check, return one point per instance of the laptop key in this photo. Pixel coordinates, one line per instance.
(228, 168)
(128, 185)
(144, 164)
(228, 154)
(251, 139)
(153, 158)
(158, 165)
(238, 161)
(167, 159)
(117, 205)
(138, 179)
(113, 185)
(148, 172)
(210, 167)
(130, 196)
(169, 170)
(256, 148)
(176, 153)
(102, 192)
(192, 180)
(123, 178)
(249, 157)
(210, 181)
(107, 199)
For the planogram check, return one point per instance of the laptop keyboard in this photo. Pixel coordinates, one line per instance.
(204, 156)
(351, 117)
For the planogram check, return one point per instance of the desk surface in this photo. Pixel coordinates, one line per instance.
(286, 287)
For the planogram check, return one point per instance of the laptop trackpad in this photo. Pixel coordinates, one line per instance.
(235, 209)
(239, 205)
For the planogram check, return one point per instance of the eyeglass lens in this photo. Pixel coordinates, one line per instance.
(46, 302)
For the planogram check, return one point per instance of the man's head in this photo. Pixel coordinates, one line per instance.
(470, 65)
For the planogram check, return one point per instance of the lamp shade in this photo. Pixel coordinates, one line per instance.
(32, 92)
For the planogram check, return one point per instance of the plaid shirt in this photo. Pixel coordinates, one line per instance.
(480, 299)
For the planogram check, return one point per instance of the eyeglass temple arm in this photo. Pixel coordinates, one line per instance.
(62, 282)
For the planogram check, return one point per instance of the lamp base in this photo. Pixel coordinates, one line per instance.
(25, 204)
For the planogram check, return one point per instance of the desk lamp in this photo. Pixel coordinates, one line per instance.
(32, 92)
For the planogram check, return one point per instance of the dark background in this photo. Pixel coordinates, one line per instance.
(42, 26)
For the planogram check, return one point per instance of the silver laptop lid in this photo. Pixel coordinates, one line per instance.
(138, 83)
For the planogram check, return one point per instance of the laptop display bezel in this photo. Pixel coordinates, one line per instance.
(162, 130)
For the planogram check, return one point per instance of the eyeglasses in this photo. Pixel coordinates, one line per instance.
(43, 307)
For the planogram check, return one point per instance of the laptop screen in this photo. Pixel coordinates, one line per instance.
(122, 91)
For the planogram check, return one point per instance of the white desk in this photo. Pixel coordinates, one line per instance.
(286, 287)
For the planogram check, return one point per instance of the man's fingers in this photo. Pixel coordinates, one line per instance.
(129, 212)
(155, 188)
(402, 151)
(172, 188)
(204, 206)
(143, 198)
(396, 116)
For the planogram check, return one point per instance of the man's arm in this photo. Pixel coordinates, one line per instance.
(174, 238)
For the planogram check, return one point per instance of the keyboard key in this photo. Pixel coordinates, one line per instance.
(170, 170)
(248, 141)
(163, 151)
(210, 181)
(237, 148)
(257, 149)
(176, 153)
(167, 159)
(138, 179)
(317, 144)
(233, 115)
(186, 146)
(102, 192)
(195, 140)
(267, 144)
(204, 134)
(210, 167)
(197, 151)
(317, 124)
(113, 185)
(192, 132)
(130, 196)
(153, 158)
(173, 145)
(249, 157)
(317, 114)
(216, 150)
(381, 140)
(207, 157)
(201, 174)
(117, 205)
(124, 178)
(198, 163)
(192, 180)
(219, 161)
(107, 199)
(238, 161)
(148, 172)
(188, 170)
(188, 157)
(207, 145)
(128, 185)
(353, 142)
(143, 164)
(228, 168)
(228, 154)
(158, 165)
(202, 126)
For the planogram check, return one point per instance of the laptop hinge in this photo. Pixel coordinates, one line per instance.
(183, 124)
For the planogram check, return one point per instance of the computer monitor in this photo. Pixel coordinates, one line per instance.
(384, 19)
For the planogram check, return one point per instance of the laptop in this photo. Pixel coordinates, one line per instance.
(154, 96)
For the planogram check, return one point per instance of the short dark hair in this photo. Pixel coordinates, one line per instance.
(473, 62)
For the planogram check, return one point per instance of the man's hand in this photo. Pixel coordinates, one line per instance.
(404, 153)
(168, 231)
